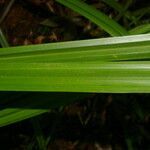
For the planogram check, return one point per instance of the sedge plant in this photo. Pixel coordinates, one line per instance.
(118, 64)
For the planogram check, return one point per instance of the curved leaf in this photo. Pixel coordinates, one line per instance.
(99, 18)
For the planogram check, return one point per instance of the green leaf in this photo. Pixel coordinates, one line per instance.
(145, 28)
(97, 17)
(121, 9)
(97, 76)
(3, 41)
(90, 76)
(12, 115)
(36, 70)
(117, 48)
(6, 10)
(14, 109)
(39, 134)
(138, 14)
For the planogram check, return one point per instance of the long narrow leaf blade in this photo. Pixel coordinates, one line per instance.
(99, 18)
(12, 115)
(108, 77)
(135, 82)
(145, 28)
(3, 41)
(116, 48)
(33, 104)
(122, 10)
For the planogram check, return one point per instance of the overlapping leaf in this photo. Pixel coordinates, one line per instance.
(79, 66)
(18, 106)
(114, 49)
(41, 70)
(99, 18)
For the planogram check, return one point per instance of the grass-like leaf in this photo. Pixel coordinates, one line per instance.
(6, 10)
(145, 28)
(138, 14)
(40, 69)
(36, 71)
(12, 115)
(117, 48)
(99, 18)
(107, 77)
(3, 41)
(119, 8)
(14, 107)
